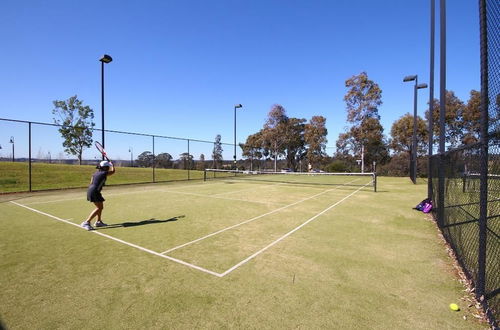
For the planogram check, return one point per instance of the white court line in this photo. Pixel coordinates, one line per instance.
(238, 191)
(288, 234)
(110, 194)
(123, 242)
(253, 219)
(147, 191)
(216, 197)
(158, 190)
(258, 186)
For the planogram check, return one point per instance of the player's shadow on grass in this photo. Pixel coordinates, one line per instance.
(140, 223)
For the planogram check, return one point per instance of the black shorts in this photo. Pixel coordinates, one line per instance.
(94, 196)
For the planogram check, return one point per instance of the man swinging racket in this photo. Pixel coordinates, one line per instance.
(104, 169)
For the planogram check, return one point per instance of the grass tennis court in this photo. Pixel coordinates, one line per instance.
(227, 254)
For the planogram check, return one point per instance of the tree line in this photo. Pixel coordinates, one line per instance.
(299, 144)
(363, 142)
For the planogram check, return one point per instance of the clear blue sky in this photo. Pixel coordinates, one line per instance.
(180, 66)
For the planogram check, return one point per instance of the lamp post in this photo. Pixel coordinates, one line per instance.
(12, 141)
(104, 59)
(131, 156)
(414, 138)
(234, 157)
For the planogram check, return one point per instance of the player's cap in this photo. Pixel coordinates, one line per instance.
(104, 163)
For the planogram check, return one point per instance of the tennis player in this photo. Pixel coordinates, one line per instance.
(104, 169)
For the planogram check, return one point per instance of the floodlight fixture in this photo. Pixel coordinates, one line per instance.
(106, 59)
(413, 160)
(410, 78)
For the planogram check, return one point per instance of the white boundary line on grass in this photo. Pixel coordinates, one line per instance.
(287, 234)
(175, 191)
(138, 190)
(162, 191)
(123, 242)
(253, 219)
(217, 197)
(198, 267)
(258, 186)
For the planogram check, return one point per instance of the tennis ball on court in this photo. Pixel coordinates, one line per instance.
(454, 307)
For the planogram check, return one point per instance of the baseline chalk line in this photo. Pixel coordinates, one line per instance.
(123, 242)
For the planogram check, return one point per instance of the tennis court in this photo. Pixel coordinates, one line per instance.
(234, 220)
(228, 252)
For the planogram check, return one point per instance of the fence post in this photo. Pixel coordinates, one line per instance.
(442, 109)
(431, 99)
(154, 160)
(483, 190)
(29, 154)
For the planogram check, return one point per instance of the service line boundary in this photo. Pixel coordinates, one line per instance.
(123, 242)
(241, 263)
(193, 266)
(254, 218)
(175, 190)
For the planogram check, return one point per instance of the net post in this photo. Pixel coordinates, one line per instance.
(375, 176)
(204, 174)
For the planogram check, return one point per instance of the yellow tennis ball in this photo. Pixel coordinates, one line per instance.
(454, 307)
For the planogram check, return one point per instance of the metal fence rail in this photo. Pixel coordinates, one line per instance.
(34, 144)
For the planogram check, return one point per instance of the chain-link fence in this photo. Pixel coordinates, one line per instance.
(468, 203)
(32, 157)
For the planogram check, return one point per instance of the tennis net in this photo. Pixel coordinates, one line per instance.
(472, 181)
(305, 178)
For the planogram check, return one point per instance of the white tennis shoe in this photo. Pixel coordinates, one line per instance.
(100, 224)
(87, 225)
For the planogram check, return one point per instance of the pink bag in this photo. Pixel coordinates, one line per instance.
(427, 207)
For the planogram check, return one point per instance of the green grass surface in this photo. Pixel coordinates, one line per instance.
(14, 177)
(365, 260)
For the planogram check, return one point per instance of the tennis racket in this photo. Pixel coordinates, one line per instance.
(101, 150)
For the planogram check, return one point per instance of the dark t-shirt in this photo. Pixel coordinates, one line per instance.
(98, 180)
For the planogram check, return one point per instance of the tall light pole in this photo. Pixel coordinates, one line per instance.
(431, 99)
(104, 59)
(414, 138)
(12, 141)
(131, 156)
(235, 107)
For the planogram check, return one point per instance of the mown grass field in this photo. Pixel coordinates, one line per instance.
(14, 177)
(228, 254)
